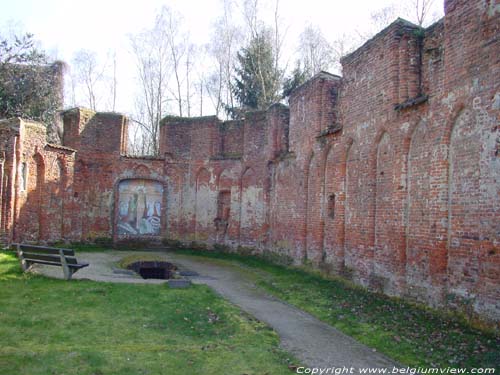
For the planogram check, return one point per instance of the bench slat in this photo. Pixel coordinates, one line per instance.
(77, 266)
(43, 262)
(47, 257)
(46, 250)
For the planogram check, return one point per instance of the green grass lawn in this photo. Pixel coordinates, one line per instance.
(50, 326)
(413, 335)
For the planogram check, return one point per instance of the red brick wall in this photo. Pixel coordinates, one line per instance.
(389, 175)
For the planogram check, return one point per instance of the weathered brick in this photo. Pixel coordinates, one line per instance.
(389, 175)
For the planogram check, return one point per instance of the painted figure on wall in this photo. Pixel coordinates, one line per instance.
(139, 203)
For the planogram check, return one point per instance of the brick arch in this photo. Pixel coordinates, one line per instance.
(376, 163)
(203, 176)
(174, 201)
(228, 183)
(407, 137)
(452, 120)
(174, 177)
(383, 168)
(227, 178)
(204, 210)
(419, 245)
(138, 171)
(252, 213)
(359, 211)
(334, 205)
(55, 204)
(142, 170)
(326, 192)
(80, 223)
(314, 238)
(464, 200)
(347, 144)
(382, 132)
(315, 191)
(307, 188)
(37, 196)
(218, 171)
(386, 258)
(347, 160)
(406, 143)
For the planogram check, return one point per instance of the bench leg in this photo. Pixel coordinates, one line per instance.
(24, 263)
(67, 271)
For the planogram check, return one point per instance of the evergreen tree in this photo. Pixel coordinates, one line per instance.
(296, 78)
(257, 82)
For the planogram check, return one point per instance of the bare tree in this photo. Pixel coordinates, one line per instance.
(279, 39)
(225, 41)
(190, 55)
(92, 82)
(384, 16)
(164, 58)
(199, 86)
(88, 73)
(70, 91)
(250, 14)
(256, 27)
(138, 140)
(113, 83)
(421, 12)
(315, 52)
(154, 65)
(177, 46)
(422, 9)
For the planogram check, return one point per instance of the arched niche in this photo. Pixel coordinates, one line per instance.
(252, 209)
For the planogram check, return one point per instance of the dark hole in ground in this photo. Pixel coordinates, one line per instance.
(154, 270)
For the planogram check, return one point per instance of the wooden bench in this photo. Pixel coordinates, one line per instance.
(52, 256)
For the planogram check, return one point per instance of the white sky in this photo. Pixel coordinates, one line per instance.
(65, 26)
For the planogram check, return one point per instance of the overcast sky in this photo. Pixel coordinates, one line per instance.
(65, 26)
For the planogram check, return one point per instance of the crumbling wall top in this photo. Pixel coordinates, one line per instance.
(167, 120)
(322, 75)
(399, 26)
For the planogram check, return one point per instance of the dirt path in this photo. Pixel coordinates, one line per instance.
(313, 342)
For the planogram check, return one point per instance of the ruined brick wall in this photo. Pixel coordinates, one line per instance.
(471, 101)
(405, 198)
(296, 220)
(101, 165)
(217, 179)
(36, 177)
(9, 143)
(388, 175)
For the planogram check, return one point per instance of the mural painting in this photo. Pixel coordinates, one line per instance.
(139, 205)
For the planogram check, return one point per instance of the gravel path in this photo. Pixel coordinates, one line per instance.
(313, 342)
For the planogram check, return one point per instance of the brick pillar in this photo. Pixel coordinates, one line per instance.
(403, 69)
(414, 67)
(394, 69)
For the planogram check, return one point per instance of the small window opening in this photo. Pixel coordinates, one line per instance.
(24, 177)
(331, 206)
